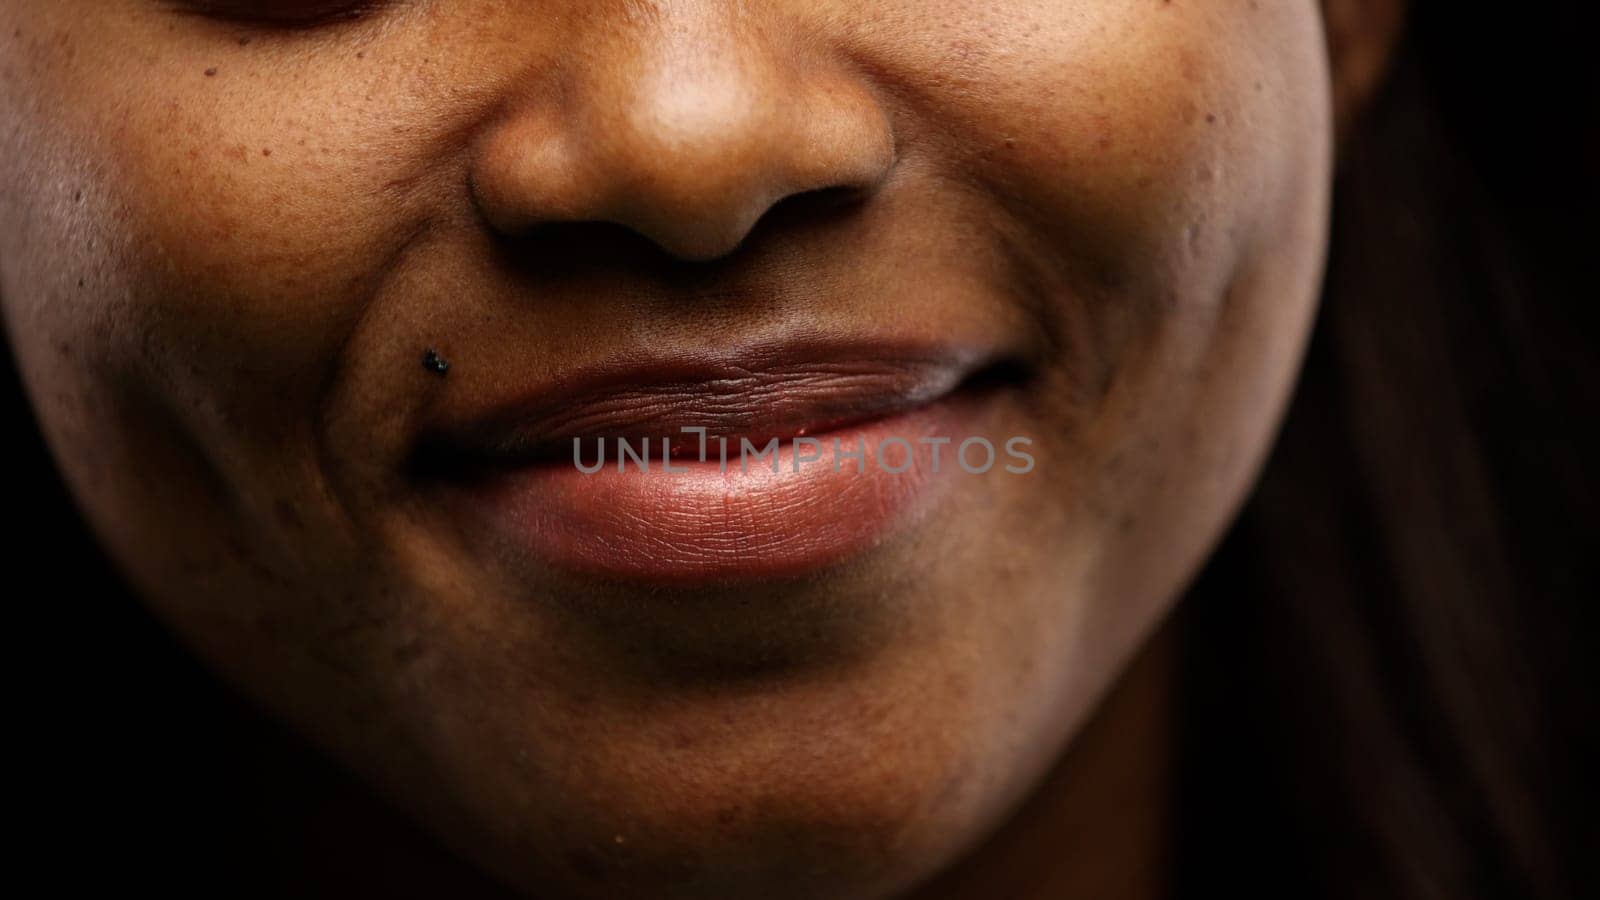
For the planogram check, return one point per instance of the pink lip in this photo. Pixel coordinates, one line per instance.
(683, 520)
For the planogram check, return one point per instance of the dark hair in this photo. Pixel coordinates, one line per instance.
(1388, 679)
(1386, 690)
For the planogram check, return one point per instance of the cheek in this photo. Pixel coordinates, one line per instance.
(1131, 134)
(1190, 195)
(183, 256)
(1145, 154)
(220, 217)
(1167, 165)
(257, 232)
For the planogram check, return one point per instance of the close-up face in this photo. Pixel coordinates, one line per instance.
(313, 300)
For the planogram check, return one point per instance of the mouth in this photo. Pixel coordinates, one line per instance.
(756, 464)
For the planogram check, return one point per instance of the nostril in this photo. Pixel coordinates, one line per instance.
(808, 209)
(553, 251)
(823, 200)
(557, 249)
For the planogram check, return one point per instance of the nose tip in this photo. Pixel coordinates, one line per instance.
(699, 166)
(690, 151)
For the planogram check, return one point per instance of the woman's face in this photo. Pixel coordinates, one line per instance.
(312, 298)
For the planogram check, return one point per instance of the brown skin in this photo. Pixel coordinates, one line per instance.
(224, 244)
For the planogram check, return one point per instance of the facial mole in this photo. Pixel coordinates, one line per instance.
(211, 72)
(433, 362)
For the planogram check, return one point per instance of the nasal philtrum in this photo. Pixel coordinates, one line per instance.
(433, 362)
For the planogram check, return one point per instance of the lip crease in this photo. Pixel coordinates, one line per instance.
(509, 466)
(781, 392)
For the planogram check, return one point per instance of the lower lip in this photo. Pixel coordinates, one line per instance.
(710, 523)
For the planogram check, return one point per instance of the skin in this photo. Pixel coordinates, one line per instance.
(224, 245)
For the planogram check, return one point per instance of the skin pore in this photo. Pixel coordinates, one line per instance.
(232, 231)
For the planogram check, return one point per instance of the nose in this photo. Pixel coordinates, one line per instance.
(687, 131)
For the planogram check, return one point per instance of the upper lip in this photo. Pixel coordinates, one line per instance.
(766, 391)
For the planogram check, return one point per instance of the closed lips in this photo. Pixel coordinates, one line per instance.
(757, 397)
(510, 473)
